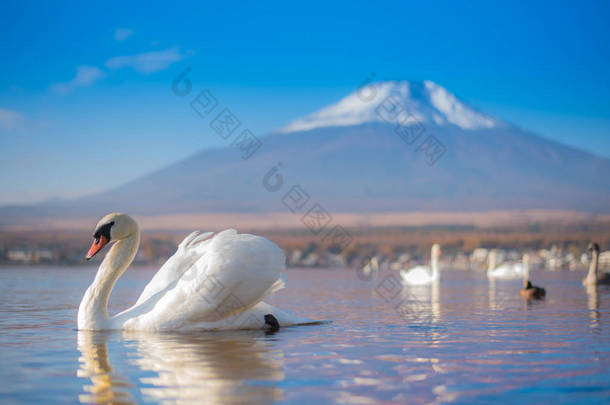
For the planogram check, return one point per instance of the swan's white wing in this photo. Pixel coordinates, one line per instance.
(417, 275)
(505, 270)
(499, 272)
(230, 273)
(186, 255)
(519, 269)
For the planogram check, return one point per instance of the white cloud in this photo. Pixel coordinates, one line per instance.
(148, 62)
(10, 119)
(121, 34)
(85, 76)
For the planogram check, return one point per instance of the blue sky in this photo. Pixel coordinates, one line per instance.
(85, 99)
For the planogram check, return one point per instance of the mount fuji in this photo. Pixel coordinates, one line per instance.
(426, 101)
(392, 146)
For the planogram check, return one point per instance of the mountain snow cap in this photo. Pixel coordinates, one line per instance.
(396, 102)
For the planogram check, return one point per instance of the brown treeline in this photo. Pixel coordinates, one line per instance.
(69, 247)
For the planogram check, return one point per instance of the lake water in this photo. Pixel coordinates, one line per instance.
(464, 340)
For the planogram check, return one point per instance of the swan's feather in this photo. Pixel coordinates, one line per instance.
(418, 275)
(212, 283)
(507, 271)
(175, 266)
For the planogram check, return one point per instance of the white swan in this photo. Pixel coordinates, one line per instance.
(212, 282)
(504, 271)
(422, 275)
(594, 276)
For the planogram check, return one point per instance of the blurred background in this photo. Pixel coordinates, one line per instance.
(340, 130)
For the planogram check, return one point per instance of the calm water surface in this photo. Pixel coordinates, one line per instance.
(465, 340)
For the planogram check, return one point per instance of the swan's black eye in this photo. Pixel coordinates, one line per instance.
(104, 231)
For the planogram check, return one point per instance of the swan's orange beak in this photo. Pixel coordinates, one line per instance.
(97, 245)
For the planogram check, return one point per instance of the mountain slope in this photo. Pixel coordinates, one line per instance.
(350, 157)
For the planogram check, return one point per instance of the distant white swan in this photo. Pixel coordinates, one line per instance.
(594, 276)
(422, 275)
(504, 271)
(212, 282)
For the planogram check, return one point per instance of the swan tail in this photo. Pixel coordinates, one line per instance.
(278, 285)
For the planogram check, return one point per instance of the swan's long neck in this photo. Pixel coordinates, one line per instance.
(434, 263)
(491, 261)
(592, 275)
(93, 310)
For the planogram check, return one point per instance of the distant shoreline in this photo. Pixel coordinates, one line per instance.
(288, 221)
(64, 242)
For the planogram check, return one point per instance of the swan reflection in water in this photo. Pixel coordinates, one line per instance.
(106, 386)
(593, 304)
(420, 305)
(214, 368)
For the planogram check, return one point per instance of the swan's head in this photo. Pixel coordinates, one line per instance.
(593, 247)
(113, 227)
(436, 250)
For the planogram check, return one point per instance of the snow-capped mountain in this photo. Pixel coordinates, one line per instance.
(388, 147)
(425, 101)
